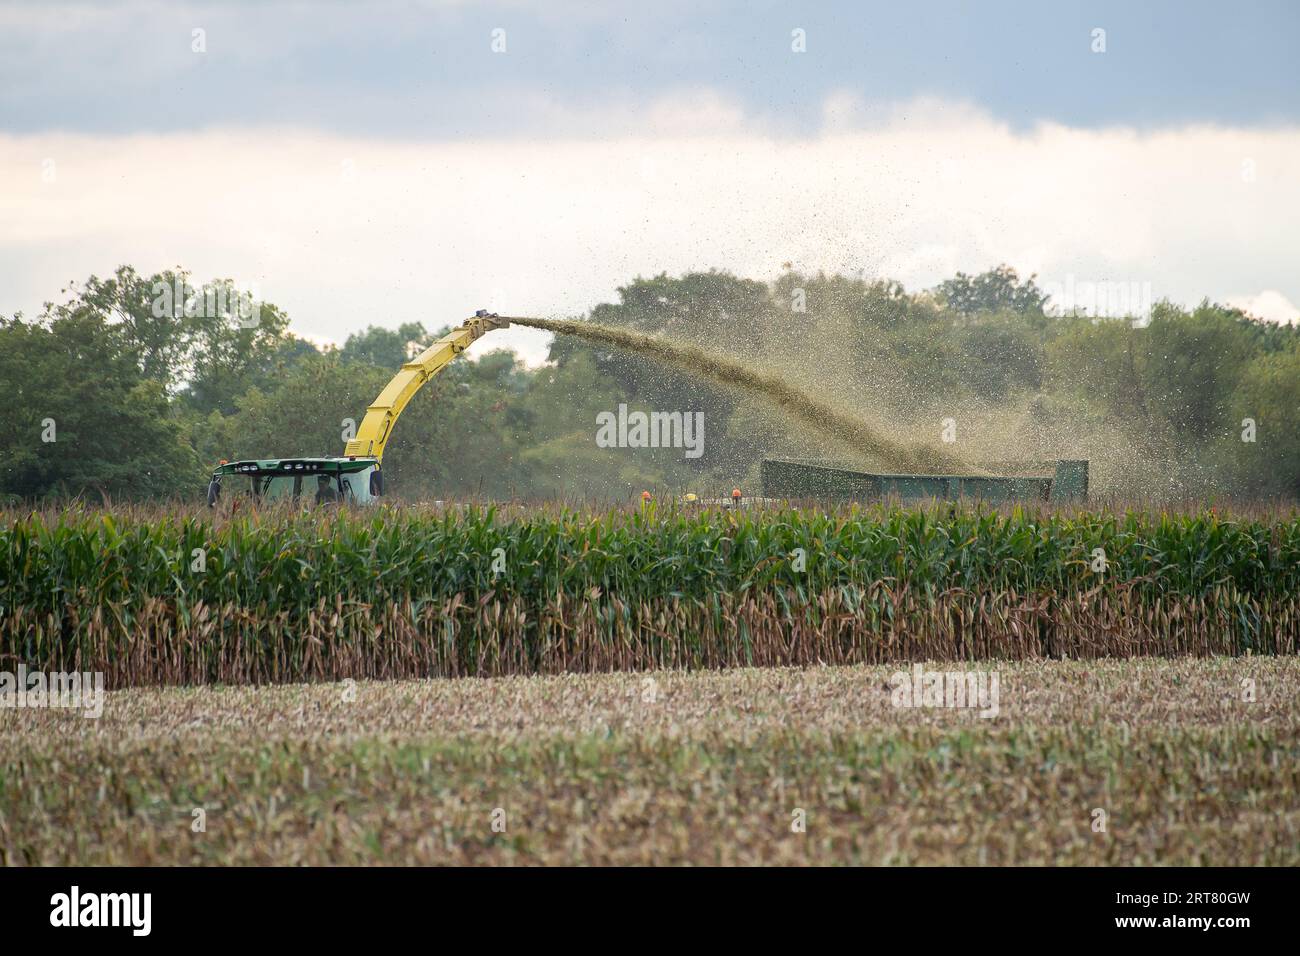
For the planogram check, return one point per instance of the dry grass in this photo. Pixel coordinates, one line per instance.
(588, 770)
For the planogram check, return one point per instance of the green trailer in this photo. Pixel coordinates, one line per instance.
(1065, 480)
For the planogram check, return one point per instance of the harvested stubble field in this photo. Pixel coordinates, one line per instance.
(153, 597)
(672, 768)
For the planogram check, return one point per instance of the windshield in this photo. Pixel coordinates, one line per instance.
(356, 487)
(277, 487)
(302, 488)
(309, 488)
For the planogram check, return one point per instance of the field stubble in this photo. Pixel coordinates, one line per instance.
(672, 768)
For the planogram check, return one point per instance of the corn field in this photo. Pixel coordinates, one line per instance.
(193, 598)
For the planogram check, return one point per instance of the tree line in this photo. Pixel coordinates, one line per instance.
(124, 392)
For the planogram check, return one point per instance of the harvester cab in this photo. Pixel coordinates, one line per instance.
(352, 481)
(356, 477)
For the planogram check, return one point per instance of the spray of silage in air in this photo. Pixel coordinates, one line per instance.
(827, 419)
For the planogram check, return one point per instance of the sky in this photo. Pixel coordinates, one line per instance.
(390, 162)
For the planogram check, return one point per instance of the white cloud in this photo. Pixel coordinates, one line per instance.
(1269, 304)
(344, 232)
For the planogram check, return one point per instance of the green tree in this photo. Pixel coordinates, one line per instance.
(82, 415)
(1269, 395)
(997, 290)
(229, 357)
(999, 356)
(1193, 364)
(1100, 363)
(140, 307)
(386, 348)
(209, 343)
